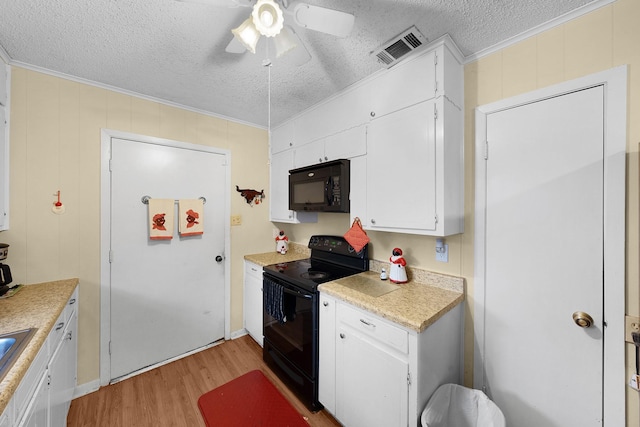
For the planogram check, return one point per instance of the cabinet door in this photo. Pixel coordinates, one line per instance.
(309, 154)
(404, 85)
(327, 354)
(283, 137)
(37, 413)
(401, 170)
(62, 372)
(346, 144)
(371, 383)
(281, 164)
(253, 301)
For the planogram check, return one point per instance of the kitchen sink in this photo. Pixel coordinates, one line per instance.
(11, 346)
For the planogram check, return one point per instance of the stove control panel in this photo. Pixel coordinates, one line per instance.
(336, 245)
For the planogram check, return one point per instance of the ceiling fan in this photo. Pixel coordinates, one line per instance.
(267, 18)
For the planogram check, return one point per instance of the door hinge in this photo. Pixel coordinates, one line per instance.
(435, 111)
(408, 378)
(110, 256)
(486, 150)
(436, 219)
(110, 160)
(109, 348)
(435, 59)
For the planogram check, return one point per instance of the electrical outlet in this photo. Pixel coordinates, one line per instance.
(632, 324)
(236, 220)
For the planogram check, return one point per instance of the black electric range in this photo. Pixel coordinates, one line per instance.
(291, 307)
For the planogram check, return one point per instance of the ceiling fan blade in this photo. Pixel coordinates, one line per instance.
(235, 46)
(321, 19)
(300, 55)
(222, 3)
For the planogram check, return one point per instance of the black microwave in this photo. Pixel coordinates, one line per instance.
(320, 188)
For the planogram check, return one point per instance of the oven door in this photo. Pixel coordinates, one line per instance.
(291, 324)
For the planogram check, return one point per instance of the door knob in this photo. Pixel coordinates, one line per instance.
(582, 319)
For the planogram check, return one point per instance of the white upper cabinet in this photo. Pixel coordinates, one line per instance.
(281, 164)
(406, 84)
(342, 145)
(333, 116)
(414, 156)
(282, 138)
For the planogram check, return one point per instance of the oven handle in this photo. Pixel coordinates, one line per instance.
(296, 293)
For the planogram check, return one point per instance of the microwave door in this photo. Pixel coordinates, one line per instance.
(328, 191)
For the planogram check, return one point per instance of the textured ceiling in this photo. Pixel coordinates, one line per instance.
(175, 51)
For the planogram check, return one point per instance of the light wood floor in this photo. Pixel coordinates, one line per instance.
(168, 395)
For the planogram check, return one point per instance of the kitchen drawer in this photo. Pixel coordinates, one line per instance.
(253, 270)
(71, 305)
(375, 327)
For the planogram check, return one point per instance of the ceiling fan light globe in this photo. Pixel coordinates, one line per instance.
(284, 42)
(267, 17)
(247, 34)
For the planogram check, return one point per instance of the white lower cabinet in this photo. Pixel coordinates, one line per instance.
(374, 372)
(253, 301)
(44, 395)
(62, 374)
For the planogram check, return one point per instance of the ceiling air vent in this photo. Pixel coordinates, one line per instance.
(391, 52)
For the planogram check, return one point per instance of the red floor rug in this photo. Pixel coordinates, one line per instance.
(249, 400)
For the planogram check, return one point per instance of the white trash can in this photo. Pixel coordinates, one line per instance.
(453, 405)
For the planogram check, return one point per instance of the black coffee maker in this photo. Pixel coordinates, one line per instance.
(5, 271)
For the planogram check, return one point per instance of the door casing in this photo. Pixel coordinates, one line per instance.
(615, 140)
(105, 240)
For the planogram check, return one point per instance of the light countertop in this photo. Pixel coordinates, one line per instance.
(294, 253)
(34, 306)
(414, 305)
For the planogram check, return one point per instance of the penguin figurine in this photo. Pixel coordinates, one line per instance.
(397, 272)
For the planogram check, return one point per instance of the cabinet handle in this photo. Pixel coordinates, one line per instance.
(373, 114)
(60, 326)
(342, 336)
(254, 269)
(325, 303)
(373, 221)
(326, 158)
(368, 323)
(72, 301)
(291, 144)
(320, 159)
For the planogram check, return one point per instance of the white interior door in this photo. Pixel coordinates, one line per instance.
(544, 260)
(167, 296)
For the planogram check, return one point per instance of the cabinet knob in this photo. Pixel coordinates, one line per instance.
(325, 303)
(326, 158)
(320, 159)
(342, 336)
(373, 221)
(291, 144)
(373, 114)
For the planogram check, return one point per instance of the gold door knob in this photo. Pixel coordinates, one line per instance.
(582, 319)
